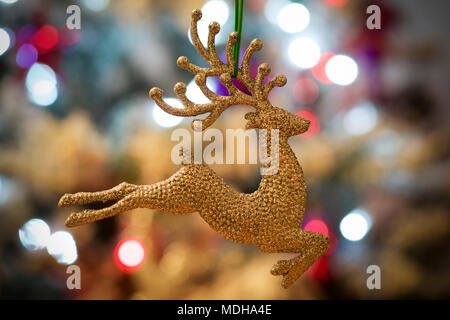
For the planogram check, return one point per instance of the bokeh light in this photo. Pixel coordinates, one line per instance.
(341, 70)
(43, 94)
(41, 84)
(129, 254)
(333, 243)
(319, 270)
(314, 126)
(9, 1)
(272, 8)
(304, 52)
(215, 10)
(34, 234)
(355, 225)
(47, 37)
(336, 3)
(293, 17)
(26, 56)
(96, 5)
(194, 93)
(379, 143)
(5, 41)
(316, 225)
(361, 119)
(26, 34)
(165, 119)
(305, 91)
(318, 70)
(62, 247)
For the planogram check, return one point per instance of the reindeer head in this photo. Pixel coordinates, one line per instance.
(265, 116)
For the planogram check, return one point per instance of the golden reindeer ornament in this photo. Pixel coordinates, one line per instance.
(270, 217)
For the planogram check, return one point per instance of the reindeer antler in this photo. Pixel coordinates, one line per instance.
(219, 103)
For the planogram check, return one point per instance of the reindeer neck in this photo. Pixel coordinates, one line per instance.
(289, 171)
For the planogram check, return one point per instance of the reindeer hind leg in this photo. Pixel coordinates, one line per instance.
(81, 198)
(129, 202)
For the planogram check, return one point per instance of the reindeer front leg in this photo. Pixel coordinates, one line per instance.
(310, 245)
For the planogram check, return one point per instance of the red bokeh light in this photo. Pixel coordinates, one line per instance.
(333, 243)
(305, 91)
(314, 126)
(47, 37)
(336, 3)
(129, 254)
(319, 269)
(318, 70)
(316, 225)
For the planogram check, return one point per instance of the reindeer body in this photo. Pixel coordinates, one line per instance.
(253, 218)
(270, 217)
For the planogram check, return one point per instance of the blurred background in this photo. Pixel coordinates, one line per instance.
(75, 116)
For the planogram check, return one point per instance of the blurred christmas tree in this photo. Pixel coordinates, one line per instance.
(74, 115)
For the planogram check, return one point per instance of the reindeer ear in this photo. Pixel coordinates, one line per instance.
(254, 121)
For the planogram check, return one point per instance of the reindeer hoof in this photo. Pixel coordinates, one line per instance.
(71, 221)
(77, 218)
(66, 201)
(281, 267)
(291, 270)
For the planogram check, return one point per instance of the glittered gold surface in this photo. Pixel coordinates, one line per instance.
(270, 217)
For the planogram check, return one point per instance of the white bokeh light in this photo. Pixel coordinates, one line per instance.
(355, 225)
(5, 41)
(194, 93)
(341, 70)
(43, 94)
(215, 10)
(34, 234)
(62, 247)
(293, 17)
(361, 119)
(9, 1)
(131, 253)
(272, 9)
(304, 52)
(165, 119)
(41, 84)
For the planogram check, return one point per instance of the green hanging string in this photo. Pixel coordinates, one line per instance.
(238, 17)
